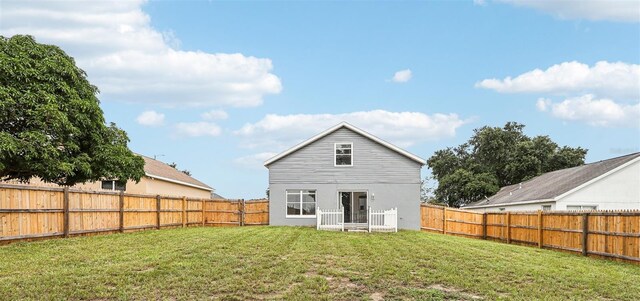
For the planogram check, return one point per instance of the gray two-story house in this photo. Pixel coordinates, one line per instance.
(344, 167)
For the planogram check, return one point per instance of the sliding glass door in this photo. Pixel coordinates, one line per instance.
(355, 206)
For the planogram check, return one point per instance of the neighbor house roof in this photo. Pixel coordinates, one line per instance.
(554, 185)
(350, 127)
(216, 196)
(159, 170)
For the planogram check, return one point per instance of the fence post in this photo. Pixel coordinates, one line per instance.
(585, 233)
(121, 223)
(157, 211)
(540, 229)
(241, 204)
(369, 219)
(444, 220)
(65, 209)
(203, 206)
(184, 211)
(484, 225)
(508, 227)
(342, 219)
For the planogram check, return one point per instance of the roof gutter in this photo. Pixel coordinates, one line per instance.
(178, 182)
(509, 204)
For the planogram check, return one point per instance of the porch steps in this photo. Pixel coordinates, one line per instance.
(356, 227)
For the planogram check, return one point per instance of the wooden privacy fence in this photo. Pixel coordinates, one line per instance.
(34, 212)
(614, 234)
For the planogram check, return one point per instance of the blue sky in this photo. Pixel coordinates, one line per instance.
(218, 87)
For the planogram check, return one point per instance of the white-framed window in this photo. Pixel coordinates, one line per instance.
(546, 207)
(582, 207)
(114, 185)
(301, 203)
(343, 154)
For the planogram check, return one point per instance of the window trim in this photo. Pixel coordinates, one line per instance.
(335, 156)
(114, 186)
(595, 207)
(548, 206)
(286, 208)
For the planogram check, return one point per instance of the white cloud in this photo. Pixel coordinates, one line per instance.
(131, 61)
(255, 161)
(278, 132)
(595, 10)
(543, 104)
(214, 115)
(402, 76)
(150, 118)
(604, 79)
(595, 112)
(198, 129)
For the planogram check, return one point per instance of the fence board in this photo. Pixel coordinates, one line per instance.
(256, 213)
(432, 218)
(222, 213)
(39, 212)
(612, 234)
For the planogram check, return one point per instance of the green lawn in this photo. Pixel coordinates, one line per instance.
(302, 263)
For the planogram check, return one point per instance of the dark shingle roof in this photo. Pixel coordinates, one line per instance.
(552, 184)
(153, 167)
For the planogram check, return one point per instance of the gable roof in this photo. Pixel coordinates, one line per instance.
(162, 171)
(350, 127)
(217, 196)
(554, 185)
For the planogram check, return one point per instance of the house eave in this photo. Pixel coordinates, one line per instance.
(178, 182)
(509, 204)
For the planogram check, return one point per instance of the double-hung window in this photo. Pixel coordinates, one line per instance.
(343, 154)
(301, 203)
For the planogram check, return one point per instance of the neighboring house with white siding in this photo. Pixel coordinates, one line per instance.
(611, 184)
(344, 167)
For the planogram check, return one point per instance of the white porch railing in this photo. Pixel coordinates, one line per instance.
(330, 219)
(383, 220)
(377, 220)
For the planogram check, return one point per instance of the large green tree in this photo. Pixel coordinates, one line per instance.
(495, 157)
(51, 124)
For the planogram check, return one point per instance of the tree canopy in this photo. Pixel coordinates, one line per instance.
(494, 157)
(51, 124)
(184, 171)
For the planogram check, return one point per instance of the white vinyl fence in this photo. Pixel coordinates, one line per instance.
(383, 220)
(377, 220)
(330, 219)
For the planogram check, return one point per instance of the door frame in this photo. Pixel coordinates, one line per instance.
(339, 203)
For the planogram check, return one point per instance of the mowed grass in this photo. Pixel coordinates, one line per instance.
(302, 264)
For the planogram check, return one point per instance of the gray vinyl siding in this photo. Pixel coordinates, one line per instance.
(405, 197)
(372, 163)
(390, 179)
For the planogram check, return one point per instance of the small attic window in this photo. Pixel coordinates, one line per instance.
(343, 155)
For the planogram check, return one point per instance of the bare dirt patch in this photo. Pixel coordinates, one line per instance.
(377, 296)
(451, 290)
